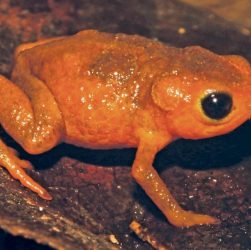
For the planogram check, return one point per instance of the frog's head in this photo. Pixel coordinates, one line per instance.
(204, 94)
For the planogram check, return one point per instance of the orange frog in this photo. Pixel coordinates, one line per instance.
(102, 90)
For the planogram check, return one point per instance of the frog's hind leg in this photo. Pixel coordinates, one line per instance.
(28, 113)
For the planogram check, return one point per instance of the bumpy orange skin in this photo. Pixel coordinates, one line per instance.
(102, 90)
(103, 82)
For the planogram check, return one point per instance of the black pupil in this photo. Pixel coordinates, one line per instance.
(217, 105)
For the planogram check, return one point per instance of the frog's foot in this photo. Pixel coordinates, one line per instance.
(15, 167)
(184, 218)
(18, 173)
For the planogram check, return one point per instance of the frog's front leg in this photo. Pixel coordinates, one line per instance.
(33, 119)
(147, 177)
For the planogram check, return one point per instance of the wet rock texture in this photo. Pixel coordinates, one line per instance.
(95, 199)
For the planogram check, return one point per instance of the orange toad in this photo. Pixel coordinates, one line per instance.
(101, 90)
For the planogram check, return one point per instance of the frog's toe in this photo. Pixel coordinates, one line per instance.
(13, 151)
(24, 164)
(188, 219)
(18, 173)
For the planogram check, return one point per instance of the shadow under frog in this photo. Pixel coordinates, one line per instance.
(217, 152)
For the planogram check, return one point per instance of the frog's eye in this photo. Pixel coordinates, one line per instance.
(217, 105)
